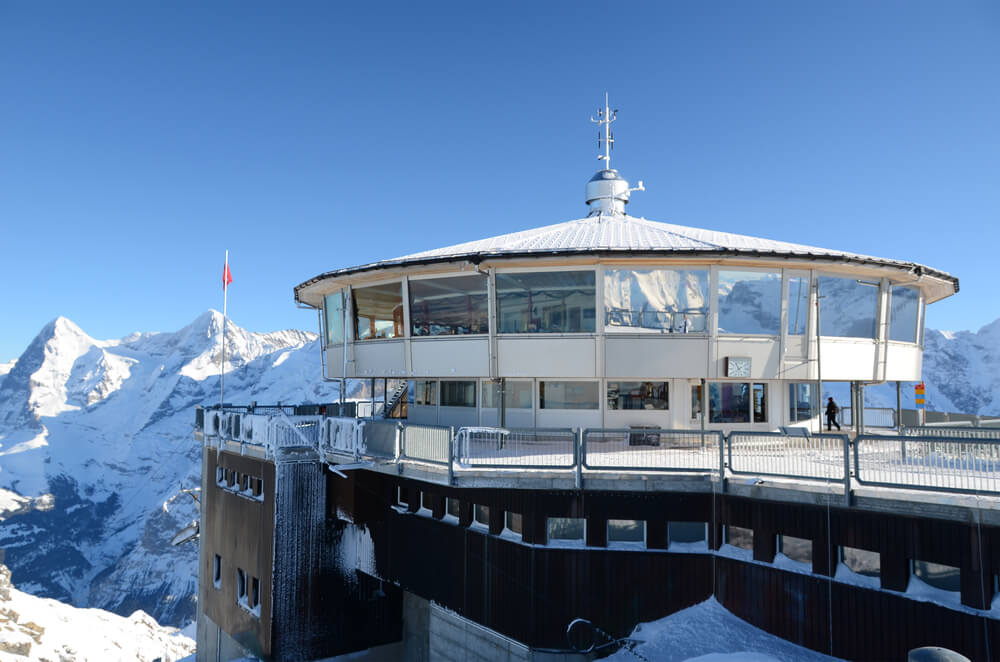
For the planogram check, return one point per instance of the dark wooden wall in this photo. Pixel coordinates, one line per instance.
(531, 592)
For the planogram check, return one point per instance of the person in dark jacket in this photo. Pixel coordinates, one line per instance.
(831, 414)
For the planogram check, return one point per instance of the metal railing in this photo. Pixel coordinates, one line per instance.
(955, 459)
(427, 443)
(928, 463)
(650, 449)
(500, 448)
(823, 456)
(874, 417)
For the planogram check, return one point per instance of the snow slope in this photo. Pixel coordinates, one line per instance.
(33, 628)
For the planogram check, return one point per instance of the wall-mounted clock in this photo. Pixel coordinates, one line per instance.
(737, 366)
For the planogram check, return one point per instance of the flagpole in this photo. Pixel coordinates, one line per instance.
(222, 368)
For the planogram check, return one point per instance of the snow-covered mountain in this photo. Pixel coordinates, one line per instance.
(33, 628)
(95, 442)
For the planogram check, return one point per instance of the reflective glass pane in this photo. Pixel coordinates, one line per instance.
(687, 531)
(456, 305)
(798, 305)
(514, 522)
(847, 307)
(638, 395)
(729, 402)
(568, 395)
(481, 514)
(737, 536)
(797, 549)
(760, 403)
(749, 302)
(334, 318)
(453, 508)
(566, 528)
(546, 302)
(378, 311)
(517, 395)
(944, 577)
(801, 401)
(458, 394)
(696, 401)
(862, 561)
(423, 393)
(626, 530)
(903, 320)
(665, 300)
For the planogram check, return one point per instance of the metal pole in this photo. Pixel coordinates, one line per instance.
(819, 368)
(899, 409)
(225, 302)
(502, 386)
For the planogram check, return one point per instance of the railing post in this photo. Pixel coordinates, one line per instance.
(578, 457)
(451, 456)
(847, 468)
(722, 461)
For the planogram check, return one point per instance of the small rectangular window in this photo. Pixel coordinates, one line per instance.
(245, 485)
(566, 528)
(241, 584)
(626, 530)
(452, 508)
(401, 498)
(217, 571)
(797, 549)
(938, 575)
(737, 536)
(861, 561)
(426, 501)
(568, 395)
(254, 593)
(220, 475)
(423, 393)
(514, 523)
(258, 487)
(234, 478)
(458, 394)
(687, 532)
(482, 514)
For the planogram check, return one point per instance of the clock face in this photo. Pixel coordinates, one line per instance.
(737, 366)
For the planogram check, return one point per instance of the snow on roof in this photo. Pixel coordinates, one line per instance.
(618, 233)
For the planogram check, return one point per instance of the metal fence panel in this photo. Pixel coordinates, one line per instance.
(535, 448)
(875, 417)
(427, 443)
(942, 463)
(651, 449)
(957, 432)
(775, 454)
(380, 438)
(293, 431)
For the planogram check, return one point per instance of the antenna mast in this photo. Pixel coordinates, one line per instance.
(605, 116)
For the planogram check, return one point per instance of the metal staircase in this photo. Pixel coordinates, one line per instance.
(395, 397)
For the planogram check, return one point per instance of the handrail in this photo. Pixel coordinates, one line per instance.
(955, 459)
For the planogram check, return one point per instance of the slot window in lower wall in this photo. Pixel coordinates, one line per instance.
(627, 532)
(683, 535)
(217, 571)
(737, 536)
(861, 561)
(513, 523)
(796, 549)
(940, 576)
(566, 530)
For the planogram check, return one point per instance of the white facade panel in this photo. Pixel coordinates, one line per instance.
(658, 357)
(451, 356)
(379, 358)
(458, 417)
(905, 363)
(335, 361)
(568, 418)
(623, 418)
(421, 414)
(548, 356)
(764, 355)
(515, 418)
(845, 359)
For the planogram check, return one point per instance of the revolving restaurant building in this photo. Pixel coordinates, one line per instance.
(614, 321)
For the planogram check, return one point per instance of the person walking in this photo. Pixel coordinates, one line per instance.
(831, 414)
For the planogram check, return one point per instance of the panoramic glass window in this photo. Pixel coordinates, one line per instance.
(750, 302)
(847, 307)
(423, 393)
(626, 530)
(802, 401)
(568, 395)
(905, 309)
(546, 302)
(638, 395)
(665, 300)
(378, 311)
(798, 305)
(458, 394)
(457, 305)
(566, 528)
(517, 396)
(334, 318)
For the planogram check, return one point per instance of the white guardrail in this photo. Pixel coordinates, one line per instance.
(956, 459)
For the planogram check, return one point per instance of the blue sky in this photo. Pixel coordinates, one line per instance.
(141, 140)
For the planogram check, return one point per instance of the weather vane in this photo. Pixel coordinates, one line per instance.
(605, 116)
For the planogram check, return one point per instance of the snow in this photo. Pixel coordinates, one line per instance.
(708, 632)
